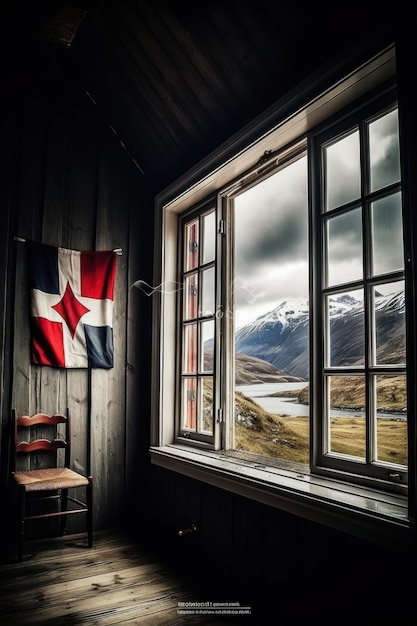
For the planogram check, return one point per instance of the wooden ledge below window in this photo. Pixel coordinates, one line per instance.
(366, 513)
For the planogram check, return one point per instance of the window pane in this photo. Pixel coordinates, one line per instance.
(390, 341)
(206, 351)
(191, 245)
(190, 296)
(207, 299)
(206, 402)
(346, 341)
(271, 315)
(391, 406)
(387, 235)
(189, 403)
(384, 151)
(190, 349)
(346, 416)
(209, 242)
(198, 325)
(342, 171)
(344, 248)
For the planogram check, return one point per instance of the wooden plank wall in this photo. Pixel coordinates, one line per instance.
(66, 180)
(69, 182)
(301, 571)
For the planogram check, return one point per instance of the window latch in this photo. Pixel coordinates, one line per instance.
(395, 477)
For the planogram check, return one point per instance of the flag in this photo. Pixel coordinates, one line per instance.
(71, 306)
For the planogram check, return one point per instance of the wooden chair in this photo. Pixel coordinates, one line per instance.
(41, 471)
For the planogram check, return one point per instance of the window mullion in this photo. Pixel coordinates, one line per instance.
(225, 321)
(317, 309)
(369, 322)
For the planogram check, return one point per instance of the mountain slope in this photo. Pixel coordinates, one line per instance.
(281, 336)
(251, 370)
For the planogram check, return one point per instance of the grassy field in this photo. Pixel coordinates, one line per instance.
(287, 438)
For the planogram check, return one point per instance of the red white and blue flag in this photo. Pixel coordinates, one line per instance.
(72, 295)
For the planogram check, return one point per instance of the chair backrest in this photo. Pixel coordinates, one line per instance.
(37, 435)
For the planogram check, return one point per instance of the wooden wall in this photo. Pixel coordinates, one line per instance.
(289, 570)
(67, 181)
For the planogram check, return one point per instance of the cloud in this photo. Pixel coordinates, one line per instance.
(271, 242)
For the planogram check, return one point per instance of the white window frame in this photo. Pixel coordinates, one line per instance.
(370, 513)
(197, 320)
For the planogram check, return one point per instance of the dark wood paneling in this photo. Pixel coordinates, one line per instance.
(75, 182)
(174, 79)
(279, 564)
(108, 409)
(138, 355)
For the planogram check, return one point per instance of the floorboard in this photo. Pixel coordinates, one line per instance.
(63, 582)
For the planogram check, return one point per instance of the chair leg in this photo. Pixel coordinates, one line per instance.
(90, 511)
(21, 522)
(64, 507)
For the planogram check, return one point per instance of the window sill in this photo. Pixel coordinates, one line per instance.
(366, 513)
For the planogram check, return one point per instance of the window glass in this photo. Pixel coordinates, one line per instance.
(342, 171)
(344, 248)
(189, 404)
(190, 349)
(207, 292)
(206, 402)
(391, 431)
(389, 314)
(384, 151)
(271, 313)
(209, 226)
(346, 415)
(191, 245)
(387, 234)
(190, 296)
(207, 334)
(345, 315)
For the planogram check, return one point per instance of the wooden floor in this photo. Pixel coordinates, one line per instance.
(62, 581)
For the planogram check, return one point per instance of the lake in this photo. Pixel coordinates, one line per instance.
(288, 406)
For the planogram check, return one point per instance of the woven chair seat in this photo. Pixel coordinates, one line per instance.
(49, 479)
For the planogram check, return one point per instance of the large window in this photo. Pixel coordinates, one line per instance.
(360, 298)
(281, 358)
(256, 323)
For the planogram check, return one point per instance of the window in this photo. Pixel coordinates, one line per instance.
(360, 314)
(198, 314)
(281, 364)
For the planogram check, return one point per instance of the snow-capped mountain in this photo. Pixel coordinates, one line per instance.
(281, 336)
(287, 312)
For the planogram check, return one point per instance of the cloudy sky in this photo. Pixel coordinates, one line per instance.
(271, 244)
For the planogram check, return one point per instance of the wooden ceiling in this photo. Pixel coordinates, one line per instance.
(175, 80)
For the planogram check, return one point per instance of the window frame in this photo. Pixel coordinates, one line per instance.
(182, 433)
(366, 512)
(322, 463)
